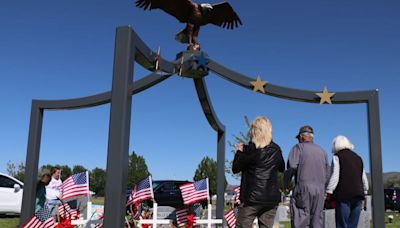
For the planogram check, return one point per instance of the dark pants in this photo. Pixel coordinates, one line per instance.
(264, 214)
(347, 213)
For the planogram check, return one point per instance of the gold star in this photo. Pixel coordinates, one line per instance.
(325, 96)
(258, 84)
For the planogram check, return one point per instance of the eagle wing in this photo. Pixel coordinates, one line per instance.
(180, 9)
(223, 15)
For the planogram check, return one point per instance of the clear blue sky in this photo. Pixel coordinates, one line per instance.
(64, 49)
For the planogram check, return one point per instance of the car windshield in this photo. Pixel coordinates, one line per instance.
(155, 184)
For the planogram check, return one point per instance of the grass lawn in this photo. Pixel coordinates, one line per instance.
(8, 222)
(396, 220)
(98, 200)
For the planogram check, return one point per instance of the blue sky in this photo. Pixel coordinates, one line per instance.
(64, 49)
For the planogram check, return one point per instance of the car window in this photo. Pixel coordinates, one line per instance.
(168, 186)
(6, 182)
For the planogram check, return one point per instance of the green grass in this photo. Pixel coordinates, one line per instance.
(396, 220)
(9, 222)
(98, 200)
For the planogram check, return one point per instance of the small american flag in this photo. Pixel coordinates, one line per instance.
(41, 219)
(68, 213)
(143, 190)
(194, 192)
(75, 185)
(100, 224)
(181, 216)
(236, 195)
(230, 217)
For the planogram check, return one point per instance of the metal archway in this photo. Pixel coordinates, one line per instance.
(130, 48)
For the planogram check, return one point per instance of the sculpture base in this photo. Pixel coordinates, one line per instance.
(193, 64)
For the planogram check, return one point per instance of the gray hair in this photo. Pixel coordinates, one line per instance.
(340, 142)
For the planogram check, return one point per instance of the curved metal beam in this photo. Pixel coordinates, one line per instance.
(206, 105)
(220, 129)
(101, 98)
(289, 93)
(147, 58)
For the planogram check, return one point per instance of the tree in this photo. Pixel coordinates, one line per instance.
(241, 138)
(137, 169)
(97, 181)
(208, 169)
(392, 182)
(16, 170)
(65, 172)
(78, 169)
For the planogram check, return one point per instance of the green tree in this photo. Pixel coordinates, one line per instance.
(97, 181)
(45, 169)
(65, 172)
(392, 182)
(208, 169)
(16, 170)
(137, 169)
(78, 169)
(240, 138)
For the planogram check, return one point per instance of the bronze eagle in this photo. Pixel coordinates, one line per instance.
(194, 15)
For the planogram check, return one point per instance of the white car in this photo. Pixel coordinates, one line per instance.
(11, 191)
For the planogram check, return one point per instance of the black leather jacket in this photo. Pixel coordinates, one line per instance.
(259, 167)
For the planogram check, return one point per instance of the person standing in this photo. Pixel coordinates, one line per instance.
(52, 189)
(308, 163)
(259, 163)
(348, 183)
(41, 191)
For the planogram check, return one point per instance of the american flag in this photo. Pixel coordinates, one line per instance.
(143, 190)
(236, 195)
(194, 192)
(100, 224)
(181, 216)
(68, 213)
(230, 217)
(41, 219)
(75, 185)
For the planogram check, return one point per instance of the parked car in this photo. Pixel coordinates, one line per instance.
(392, 198)
(166, 193)
(11, 191)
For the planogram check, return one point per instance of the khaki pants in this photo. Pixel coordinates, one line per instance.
(264, 214)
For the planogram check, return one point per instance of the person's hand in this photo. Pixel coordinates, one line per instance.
(239, 147)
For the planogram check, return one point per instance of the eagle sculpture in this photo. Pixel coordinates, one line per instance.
(194, 15)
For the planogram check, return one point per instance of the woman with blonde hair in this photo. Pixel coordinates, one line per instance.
(348, 183)
(259, 163)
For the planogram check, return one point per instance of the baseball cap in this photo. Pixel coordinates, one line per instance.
(305, 129)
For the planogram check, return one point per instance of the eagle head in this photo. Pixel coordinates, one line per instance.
(206, 7)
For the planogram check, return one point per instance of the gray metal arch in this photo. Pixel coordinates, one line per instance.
(371, 98)
(129, 48)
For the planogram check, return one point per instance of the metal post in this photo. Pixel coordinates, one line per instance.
(31, 163)
(220, 174)
(375, 157)
(119, 129)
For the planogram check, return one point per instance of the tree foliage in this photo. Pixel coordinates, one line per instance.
(208, 169)
(97, 181)
(392, 182)
(240, 138)
(137, 169)
(78, 169)
(16, 170)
